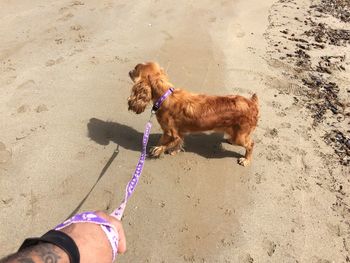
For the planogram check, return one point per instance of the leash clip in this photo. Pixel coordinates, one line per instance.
(155, 108)
(152, 114)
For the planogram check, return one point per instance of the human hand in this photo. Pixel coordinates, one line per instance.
(92, 241)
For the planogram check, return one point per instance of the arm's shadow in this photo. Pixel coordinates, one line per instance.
(206, 145)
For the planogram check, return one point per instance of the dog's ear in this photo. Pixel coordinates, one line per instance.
(141, 95)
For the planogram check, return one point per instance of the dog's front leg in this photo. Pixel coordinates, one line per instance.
(164, 140)
(169, 142)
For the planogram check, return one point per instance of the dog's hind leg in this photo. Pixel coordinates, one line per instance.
(175, 146)
(248, 144)
(242, 138)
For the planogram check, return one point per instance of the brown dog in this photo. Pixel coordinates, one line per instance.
(184, 112)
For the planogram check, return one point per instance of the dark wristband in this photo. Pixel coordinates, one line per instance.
(57, 238)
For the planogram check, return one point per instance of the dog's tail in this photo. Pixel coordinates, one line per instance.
(255, 98)
(255, 108)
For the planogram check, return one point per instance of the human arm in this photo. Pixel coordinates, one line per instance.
(90, 239)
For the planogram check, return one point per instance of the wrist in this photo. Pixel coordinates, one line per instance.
(40, 253)
(46, 252)
(61, 241)
(54, 252)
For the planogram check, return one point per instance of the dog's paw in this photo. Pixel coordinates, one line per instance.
(174, 152)
(156, 151)
(243, 161)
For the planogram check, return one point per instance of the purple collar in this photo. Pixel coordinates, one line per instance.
(157, 104)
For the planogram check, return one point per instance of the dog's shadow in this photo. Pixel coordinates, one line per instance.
(206, 145)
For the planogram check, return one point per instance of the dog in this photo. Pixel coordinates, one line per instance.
(184, 112)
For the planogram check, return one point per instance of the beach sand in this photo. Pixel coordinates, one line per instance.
(63, 110)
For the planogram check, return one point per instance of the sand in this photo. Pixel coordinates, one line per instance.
(63, 109)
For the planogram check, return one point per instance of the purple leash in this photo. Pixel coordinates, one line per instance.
(90, 217)
(130, 187)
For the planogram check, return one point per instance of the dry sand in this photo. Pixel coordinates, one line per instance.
(63, 111)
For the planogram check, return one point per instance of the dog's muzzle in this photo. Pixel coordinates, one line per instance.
(131, 74)
(129, 104)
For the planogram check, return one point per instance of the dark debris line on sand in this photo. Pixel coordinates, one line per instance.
(337, 8)
(320, 94)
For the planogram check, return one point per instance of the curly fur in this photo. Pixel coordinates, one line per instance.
(140, 97)
(184, 112)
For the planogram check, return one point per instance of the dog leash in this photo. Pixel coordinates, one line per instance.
(130, 187)
(90, 217)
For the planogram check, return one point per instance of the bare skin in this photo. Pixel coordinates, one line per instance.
(90, 239)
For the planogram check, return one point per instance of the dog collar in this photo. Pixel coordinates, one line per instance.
(157, 104)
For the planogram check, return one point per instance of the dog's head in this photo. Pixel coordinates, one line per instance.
(141, 93)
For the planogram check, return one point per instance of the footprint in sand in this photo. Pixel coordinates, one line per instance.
(41, 108)
(320, 260)
(81, 38)
(212, 19)
(59, 41)
(286, 125)
(246, 259)
(275, 104)
(239, 32)
(251, 50)
(94, 60)
(66, 10)
(168, 36)
(9, 68)
(76, 27)
(63, 10)
(66, 17)
(52, 62)
(109, 5)
(80, 155)
(33, 205)
(6, 201)
(258, 177)
(147, 179)
(120, 59)
(21, 93)
(11, 79)
(281, 113)
(270, 247)
(26, 85)
(77, 3)
(5, 155)
(274, 154)
(24, 108)
(271, 133)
